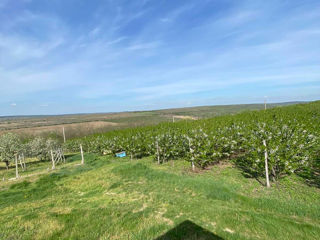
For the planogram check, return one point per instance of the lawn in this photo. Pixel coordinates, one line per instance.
(109, 198)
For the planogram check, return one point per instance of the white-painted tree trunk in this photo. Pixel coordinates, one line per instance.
(266, 163)
(17, 171)
(193, 166)
(20, 162)
(24, 162)
(82, 157)
(52, 159)
(64, 158)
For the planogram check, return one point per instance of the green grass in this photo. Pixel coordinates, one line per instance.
(110, 198)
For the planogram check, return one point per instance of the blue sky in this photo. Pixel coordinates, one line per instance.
(71, 56)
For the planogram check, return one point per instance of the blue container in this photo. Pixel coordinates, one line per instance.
(121, 154)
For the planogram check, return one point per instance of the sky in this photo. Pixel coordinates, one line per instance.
(79, 56)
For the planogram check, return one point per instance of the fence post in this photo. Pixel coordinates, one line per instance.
(193, 166)
(190, 150)
(158, 152)
(52, 159)
(17, 172)
(82, 158)
(64, 135)
(266, 163)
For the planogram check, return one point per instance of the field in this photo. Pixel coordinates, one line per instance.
(79, 125)
(108, 198)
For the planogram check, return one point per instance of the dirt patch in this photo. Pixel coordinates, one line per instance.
(69, 128)
(185, 117)
(221, 165)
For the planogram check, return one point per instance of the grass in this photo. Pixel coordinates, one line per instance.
(109, 198)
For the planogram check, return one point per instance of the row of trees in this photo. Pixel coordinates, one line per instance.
(11, 146)
(271, 143)
(288, 138)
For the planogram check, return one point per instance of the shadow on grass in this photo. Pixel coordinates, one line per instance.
(311, 175)
(188, 230)
(241, 163)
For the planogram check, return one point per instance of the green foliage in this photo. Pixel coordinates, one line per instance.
(290, 133)
(10, 146)
(40, 147)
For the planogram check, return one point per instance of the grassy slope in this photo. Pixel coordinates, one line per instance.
(117, 199)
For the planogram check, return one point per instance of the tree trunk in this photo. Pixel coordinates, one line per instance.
(17, 172)
(52, 159)
(274, 179)
(7, 164)
(24, 162)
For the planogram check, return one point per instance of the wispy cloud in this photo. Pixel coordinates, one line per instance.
(142, 46)
(120, 55)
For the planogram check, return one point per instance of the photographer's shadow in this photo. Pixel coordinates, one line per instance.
(188, 230)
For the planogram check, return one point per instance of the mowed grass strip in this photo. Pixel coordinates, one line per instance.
(110, 198)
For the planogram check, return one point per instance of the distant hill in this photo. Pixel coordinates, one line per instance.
(82, 124)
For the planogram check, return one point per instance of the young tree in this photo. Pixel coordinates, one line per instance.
(10, 145)
(38, 148)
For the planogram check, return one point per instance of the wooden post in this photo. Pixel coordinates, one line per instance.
(82, 158)
(192, 162)
(17, 172)
(64, 135)
(158, 152)
(64, 158)
(266, 163)
(52, 159)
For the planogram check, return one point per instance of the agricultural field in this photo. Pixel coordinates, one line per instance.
(79, 125)
(252, 175)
